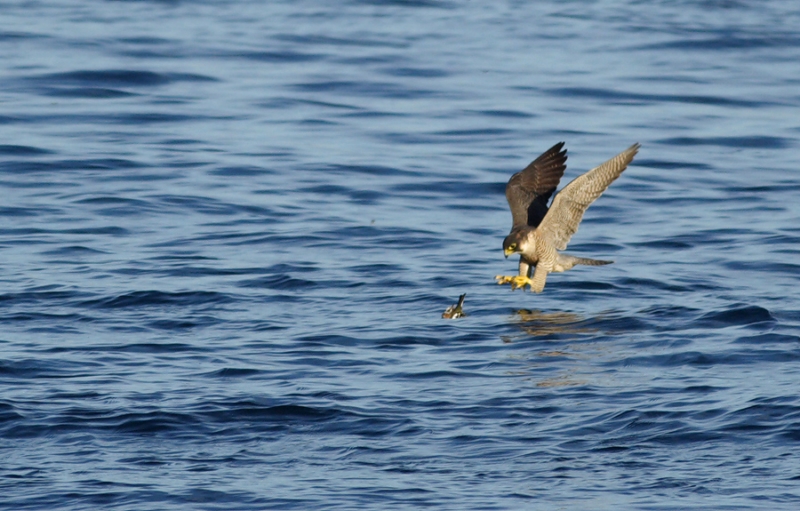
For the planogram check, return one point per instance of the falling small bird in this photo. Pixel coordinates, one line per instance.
(538, 233)
(455, 311)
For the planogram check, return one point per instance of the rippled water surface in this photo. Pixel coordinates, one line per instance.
(229, 230)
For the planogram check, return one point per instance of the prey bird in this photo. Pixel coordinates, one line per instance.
(455, 311)
(539, 233)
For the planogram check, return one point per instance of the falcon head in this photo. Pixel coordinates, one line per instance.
(518, 241)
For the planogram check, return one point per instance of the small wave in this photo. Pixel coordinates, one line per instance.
(587, 285)
(770, 338)
(13, 35)
(752, 142)
(415, 72)
(789, 269)
(639, 283)
(507, 114)
(729, 42)
(74, 250)
(362, 197)
(118, 77)
(437, 4)
(327, 340)
(284, 56)
(46, 322)
(762, 416)
(694, 239)
(44, 294)
(673, 165)
(177, 325)
(103, 84)
(389, 90)
(399, 237)
(110, 230)
(624, 97)
(326, 40)
(112, 118)
(279, 282)
(137, 347)
(28, 167)
(703, 359)
(241, 171)
(235, 372)
(36, 369)
(19, 212)
(155, 347)
(263, 415)
(151, 422)
(8, 413)
(149, 298)
(736, 316)
(22, 150)
(88, 92)
(370, 170)
(480, 133)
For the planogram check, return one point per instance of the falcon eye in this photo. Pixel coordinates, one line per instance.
(513, 246)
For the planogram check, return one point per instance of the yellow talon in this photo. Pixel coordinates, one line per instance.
(516, 281)
(520, 282)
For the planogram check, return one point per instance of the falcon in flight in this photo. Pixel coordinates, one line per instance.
(539, 233)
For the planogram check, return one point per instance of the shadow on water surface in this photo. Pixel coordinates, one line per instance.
(537, 323)
(563, 332)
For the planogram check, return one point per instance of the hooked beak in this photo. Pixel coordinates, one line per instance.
(507, 252)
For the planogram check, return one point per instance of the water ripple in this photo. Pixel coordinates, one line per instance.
(231, 229)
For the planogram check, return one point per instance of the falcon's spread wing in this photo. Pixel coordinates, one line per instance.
(529, 190)
(568, 207)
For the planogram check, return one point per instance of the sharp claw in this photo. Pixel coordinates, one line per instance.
(503, 279)
(516, 281)
(520, 282)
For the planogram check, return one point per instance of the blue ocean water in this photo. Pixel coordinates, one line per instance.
(229, 230)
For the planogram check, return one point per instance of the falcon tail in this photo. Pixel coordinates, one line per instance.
(566, 261)
(591, 262)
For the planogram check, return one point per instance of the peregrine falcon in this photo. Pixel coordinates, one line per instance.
(538, 233)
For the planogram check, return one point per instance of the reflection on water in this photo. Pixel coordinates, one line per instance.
(536, 323)
(567, 380)
(541, 323)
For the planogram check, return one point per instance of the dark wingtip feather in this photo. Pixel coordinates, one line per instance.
(529, 190)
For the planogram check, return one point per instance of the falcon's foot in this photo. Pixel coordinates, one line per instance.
(516, 281)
